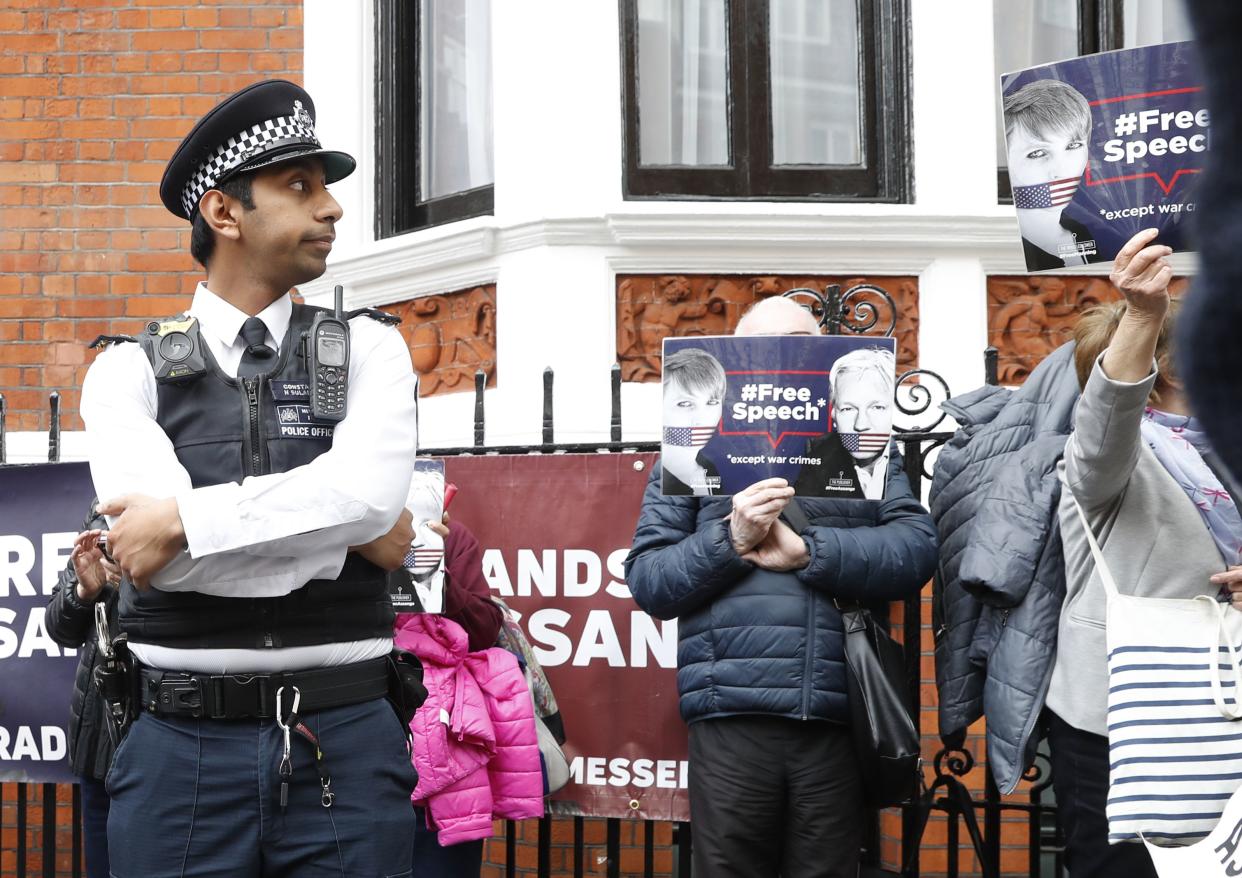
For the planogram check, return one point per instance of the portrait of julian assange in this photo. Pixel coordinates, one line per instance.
(1047, 129)
(853, 459)
(694, 390)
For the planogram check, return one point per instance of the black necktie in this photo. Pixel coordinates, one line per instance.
(258, 357)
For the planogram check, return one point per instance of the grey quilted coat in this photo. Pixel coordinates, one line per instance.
(1002, 576)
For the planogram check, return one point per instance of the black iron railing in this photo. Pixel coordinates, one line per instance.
(918, 393)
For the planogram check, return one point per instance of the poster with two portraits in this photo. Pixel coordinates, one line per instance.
(1100, 147)
(816, 411)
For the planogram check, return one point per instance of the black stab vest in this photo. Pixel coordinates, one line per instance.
(224, 429)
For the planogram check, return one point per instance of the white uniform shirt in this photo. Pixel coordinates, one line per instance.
(270, 534)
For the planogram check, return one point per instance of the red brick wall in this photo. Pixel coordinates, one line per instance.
(94, 97)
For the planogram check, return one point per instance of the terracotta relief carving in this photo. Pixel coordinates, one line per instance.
(651, 308)
(450, 336)
(1031, 315)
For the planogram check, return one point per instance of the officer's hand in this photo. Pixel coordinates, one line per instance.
(146, 536)
(389, 551)
(781, 550)
(754, 510)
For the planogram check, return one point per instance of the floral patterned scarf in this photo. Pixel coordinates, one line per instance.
(1179, 444)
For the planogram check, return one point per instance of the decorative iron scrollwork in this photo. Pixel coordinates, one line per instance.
(857, 310)
(915, 397)
(1039, 774)
(959, 762)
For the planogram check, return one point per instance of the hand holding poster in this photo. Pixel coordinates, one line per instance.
(1103, 146)
(813, 410)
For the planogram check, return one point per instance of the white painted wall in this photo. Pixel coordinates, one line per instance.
(562, 231)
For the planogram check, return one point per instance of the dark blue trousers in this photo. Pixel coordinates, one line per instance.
(463, 860)
(94, 826)
(1080, 781)
(201, 799)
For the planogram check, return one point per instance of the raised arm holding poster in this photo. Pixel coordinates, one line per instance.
(1103, 146)
(814, 410)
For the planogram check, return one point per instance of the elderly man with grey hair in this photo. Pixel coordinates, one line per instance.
(774, 782)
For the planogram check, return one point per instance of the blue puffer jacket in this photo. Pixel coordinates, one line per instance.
(753, 641)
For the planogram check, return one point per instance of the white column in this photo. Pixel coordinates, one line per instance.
(554, 308)
(954, 109)
(953, 321)
(338, 64)
(557, 108)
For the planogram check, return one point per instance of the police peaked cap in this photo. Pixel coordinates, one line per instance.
(265, 123)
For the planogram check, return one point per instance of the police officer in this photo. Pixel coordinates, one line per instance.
(254, 533)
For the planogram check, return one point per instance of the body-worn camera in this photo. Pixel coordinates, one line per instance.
(174, 346)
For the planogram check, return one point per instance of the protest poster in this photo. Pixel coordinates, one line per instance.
(1103, 146)
(816, 411)
(421, 588)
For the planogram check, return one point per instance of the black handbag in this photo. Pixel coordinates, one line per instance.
(885, 739)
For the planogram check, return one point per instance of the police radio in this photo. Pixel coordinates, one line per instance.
(329, 361)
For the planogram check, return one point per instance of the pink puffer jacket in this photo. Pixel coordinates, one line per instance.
(475, 746)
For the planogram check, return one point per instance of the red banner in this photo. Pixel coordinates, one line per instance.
(555, 531)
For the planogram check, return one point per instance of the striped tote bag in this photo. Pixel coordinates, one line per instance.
(1174, 736)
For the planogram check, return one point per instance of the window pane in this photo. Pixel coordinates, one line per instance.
(1027, 33)
(816, 115)
(1148, 22)
(455, 96)
(683, 88)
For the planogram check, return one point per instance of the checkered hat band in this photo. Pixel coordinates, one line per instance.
(240, 149)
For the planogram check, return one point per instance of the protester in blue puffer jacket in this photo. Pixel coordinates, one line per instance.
(774, 788)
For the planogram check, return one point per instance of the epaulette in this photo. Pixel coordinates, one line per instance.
(375, 314)
(102, 340)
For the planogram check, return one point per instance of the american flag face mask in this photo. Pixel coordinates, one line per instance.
(864, 443)
(689, 437)
(1056, 193)
(423, 559)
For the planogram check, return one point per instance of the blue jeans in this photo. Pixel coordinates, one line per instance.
(201, 798)
(94, 826)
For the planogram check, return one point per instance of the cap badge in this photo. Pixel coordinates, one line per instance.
(301, 116)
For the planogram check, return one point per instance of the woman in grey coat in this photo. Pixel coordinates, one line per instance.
(1138, 465)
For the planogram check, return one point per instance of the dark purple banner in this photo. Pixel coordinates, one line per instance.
(41, 508)
(1103, 146)
(555, 530)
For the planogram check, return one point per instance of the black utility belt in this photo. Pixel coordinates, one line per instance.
(253, 696)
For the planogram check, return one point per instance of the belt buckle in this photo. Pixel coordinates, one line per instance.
(179, 693)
